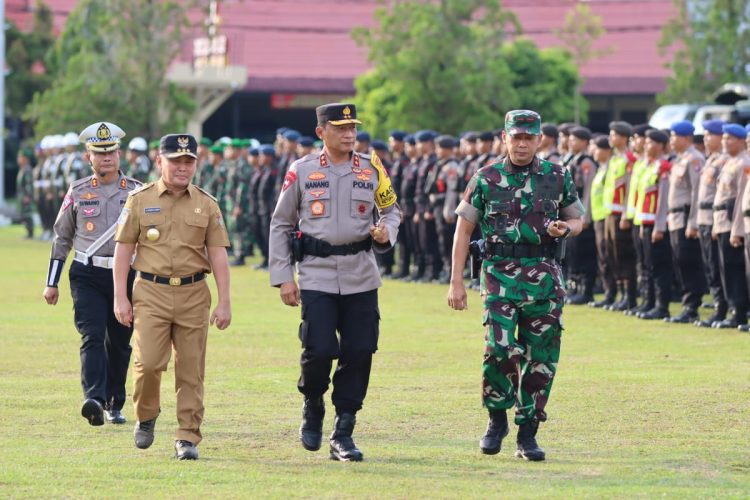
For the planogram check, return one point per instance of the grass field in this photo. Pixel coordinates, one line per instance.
(638, 409)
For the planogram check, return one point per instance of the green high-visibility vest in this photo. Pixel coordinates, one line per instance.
(599, 208)
(635, 176)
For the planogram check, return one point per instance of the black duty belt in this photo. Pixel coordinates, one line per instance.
(746, 213)
(724, 206)
(679, 210)
(165, 280)
(519, 251)
(320, 248)
(706, 205)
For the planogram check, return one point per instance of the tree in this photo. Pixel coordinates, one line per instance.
(110, 64)
(710, 45)
(447, 66)
(580, 31)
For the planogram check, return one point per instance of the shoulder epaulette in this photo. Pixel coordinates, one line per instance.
(79, 182)
(206, 193)
(141, 188)
(365, 156)
(134, 181)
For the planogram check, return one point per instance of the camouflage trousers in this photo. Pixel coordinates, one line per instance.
(519, 368)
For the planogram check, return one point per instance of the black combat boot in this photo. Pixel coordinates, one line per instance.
(342, 445)
(311, 430)
(497, 429)
(526, 441)
(658, 312)
(688, 315)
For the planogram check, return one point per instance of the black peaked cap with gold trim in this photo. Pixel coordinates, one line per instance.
(337, 113)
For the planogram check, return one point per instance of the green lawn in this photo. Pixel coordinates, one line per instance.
(639, 409)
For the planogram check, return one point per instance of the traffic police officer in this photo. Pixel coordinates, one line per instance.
(86, 223)
(682, 220)
(323, 221)
(524, 205)
(705, 219)
(178, 232)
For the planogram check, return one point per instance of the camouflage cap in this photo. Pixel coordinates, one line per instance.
(523, 121)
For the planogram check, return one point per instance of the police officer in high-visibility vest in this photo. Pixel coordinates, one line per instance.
(682, 220)
(599, 212)
(86, 224)
(653, 189)
(712, 135)
(323, 223)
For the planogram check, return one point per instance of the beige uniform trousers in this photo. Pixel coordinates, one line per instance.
(170, 317)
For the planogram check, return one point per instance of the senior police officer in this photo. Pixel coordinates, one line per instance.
(178, 232)
(524, 206)
(86, 223)
(323, 222)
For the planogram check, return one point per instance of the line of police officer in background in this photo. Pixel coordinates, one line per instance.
(665, 217)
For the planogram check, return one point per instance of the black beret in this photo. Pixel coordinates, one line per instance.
(398, 135)
(622, 128)
(602, 142)
(658, 136)
(642, 129)
(363, 136)
(487, 135)
(564, 128)
(470, 137)
(697, 138)
(446, 141)
(581, 132)
(549, 130)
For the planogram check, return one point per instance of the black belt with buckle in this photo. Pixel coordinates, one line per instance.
(164, 280)
(728, 206)
(519, 251)
(679, 210)
(706, 205)
(320, 248)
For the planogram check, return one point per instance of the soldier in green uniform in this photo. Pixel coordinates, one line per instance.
(524, 206)
(25, 191)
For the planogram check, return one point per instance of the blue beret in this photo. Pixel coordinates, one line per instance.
(267, 149)
(363, 136)
(424, 136)
(306, 141)
(409, 139)
(292, 135)
(713, 126)
(254, 152)
(379, 145)
(735, 130)
(446, 141)
(487, 136)
(683, 127)
(399, 135)
(281, 131)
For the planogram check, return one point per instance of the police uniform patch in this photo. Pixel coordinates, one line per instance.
(289, 179)
(123, 184)
(363, 177)
(198, 210)
(317, 193)
(90, 226)
(88, 212)
(316, 176)
(355, 160)
(317, 208)
(361, 208)
(89, 196)
(94, 182)
(67, 201)
(385, 195)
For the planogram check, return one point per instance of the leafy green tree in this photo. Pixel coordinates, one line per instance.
(710, 45)
(450, 66)
(580, 30)
(110, 64)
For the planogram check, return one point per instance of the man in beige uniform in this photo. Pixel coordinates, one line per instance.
(86, 224)
(323, 222)
(179, 235)
(682, 220)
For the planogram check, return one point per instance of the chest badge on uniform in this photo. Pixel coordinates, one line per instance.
(89, 196)
(123, 184)
(362, 208)
(364, 177)
(316, 176)
(317, 193)
(152, 210)
(152, 234)
(90, 226)
(318, 208)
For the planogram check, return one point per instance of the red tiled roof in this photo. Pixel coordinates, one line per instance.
(305, 45)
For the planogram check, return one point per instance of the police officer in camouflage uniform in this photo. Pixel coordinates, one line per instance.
(324, 213)
(524, 206)
(86, 224)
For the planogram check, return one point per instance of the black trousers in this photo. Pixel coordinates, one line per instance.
(405, 249)
(265, 232)
(581, 257)
(688, 265)
(710, 256)
(621, 250)
(445, 234)
(417, 251)
(732, 269)
(657, 263)
(645, 285)
(105, 343)
(428, 243)
(606, 273)
(356, 318)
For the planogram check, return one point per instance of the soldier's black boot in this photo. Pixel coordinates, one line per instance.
(497, 429)
(688, 315)
(528, 449)
(311, 430)
(342, 444)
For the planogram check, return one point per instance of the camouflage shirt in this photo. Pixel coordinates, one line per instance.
(513, 205)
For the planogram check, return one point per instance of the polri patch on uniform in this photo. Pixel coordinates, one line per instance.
(123, 184)
(289, 179)
(123, 216)
(88, 212)
(90, 226)
(318, 209)
(152, 210)
(67, 201)
(317, 193)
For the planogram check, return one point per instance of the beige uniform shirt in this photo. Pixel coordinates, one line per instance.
(741, 215)
(728, 188)
(683, 190)
(707, 188)
(333, 203)
(87, 211)
(185, 226)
